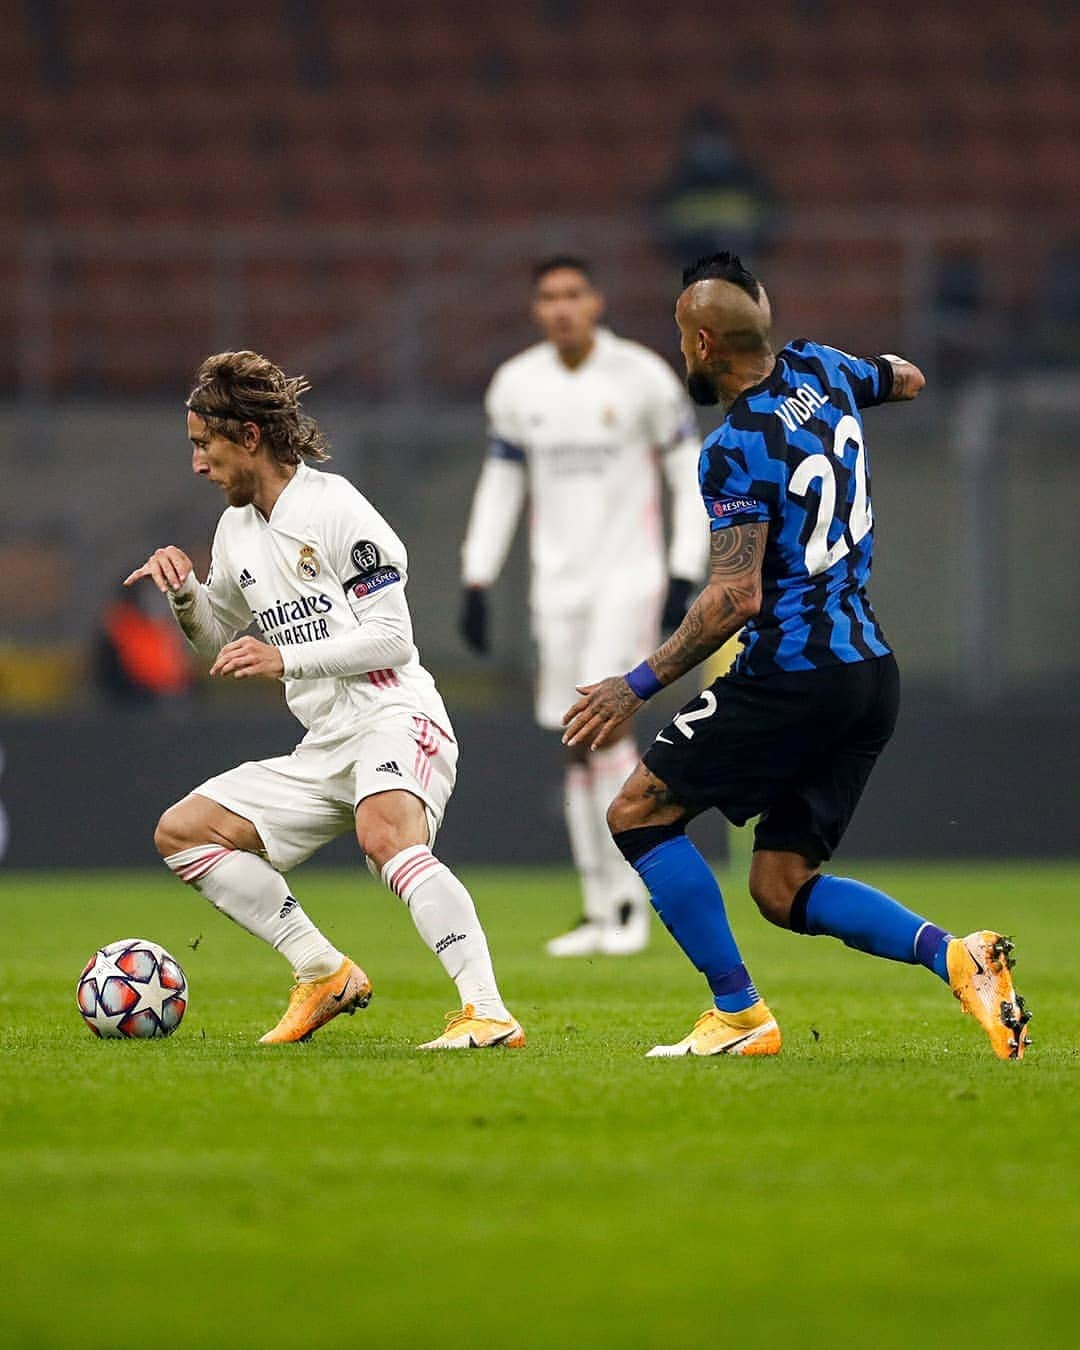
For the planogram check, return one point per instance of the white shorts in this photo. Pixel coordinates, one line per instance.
(579, 648)
(301, 801)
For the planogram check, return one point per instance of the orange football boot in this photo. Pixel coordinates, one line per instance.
(313, 1003)
(465, 1031)
(980, 968)
(751, 1032)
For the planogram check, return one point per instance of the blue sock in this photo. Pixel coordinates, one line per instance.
(685, 895)
(870, 921)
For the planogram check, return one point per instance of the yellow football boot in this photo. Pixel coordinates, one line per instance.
(979, 973)
(751, 1032)
(315, 1002)
(465, 1031)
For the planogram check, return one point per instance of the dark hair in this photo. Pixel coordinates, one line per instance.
(557, 262)
(723, 266)
(232, 388)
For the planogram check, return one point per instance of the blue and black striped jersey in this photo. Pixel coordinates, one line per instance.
(791, 452)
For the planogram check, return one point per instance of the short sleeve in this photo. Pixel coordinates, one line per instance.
(870, 378)
(504, 437)
(728, 488)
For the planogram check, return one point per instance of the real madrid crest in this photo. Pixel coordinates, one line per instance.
(307, 567)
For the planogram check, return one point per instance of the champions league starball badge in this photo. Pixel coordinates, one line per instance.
(307, 568)
(365, 556)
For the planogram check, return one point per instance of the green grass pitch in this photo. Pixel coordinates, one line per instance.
(883, 1183)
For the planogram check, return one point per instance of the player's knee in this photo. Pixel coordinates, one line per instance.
(387, 823)
(775, 879)
(169, 834)
(623, 814)
(381, 842)
(631, 810)
(643, 801)
(773, 898)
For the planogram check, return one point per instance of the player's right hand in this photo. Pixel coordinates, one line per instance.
(596, 718)
(168, 568)
(473, 619)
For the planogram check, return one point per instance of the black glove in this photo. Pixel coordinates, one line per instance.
(473, 619)
(676, 603)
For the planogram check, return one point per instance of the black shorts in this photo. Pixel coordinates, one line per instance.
(795, 749)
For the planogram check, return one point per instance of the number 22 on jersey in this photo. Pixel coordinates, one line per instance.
(856, 519)
(684, 721)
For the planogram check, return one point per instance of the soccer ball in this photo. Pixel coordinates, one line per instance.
(132, 988)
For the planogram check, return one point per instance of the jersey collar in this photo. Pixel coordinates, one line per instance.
(765, 386)
(602, 340)
(291, 493)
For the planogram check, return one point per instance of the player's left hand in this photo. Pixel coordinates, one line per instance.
(597, 716)
(247, 657)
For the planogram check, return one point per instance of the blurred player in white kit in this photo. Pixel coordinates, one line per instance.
(582, 423)
(311, 562)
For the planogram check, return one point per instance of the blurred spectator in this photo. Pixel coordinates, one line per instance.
(139, 657)
(715, 199)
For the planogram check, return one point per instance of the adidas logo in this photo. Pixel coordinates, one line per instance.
(287, 908)
(389, 767)
(246, 579)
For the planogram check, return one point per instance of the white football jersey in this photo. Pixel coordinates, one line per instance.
(587, 444)
(324, 581)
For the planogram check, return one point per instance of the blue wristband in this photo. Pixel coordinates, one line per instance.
(642, 680)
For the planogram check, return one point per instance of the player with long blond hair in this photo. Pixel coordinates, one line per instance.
(307, 560)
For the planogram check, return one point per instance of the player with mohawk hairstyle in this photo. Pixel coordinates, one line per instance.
(793, 733)
(322, 575)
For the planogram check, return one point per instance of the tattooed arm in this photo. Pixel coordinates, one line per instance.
(907, 379)
(731, 597)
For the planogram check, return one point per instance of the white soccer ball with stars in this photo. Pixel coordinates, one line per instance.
(134, 989)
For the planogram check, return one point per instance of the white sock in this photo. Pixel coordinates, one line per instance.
(254, 895)
(446, 919)
(586, 839)
(609, 768)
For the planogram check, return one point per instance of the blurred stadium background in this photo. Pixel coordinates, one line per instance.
(358, 190)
